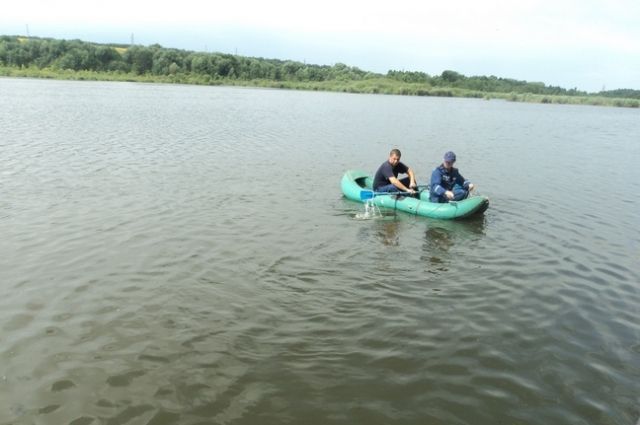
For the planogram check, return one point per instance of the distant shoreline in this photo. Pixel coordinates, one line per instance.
(50, 58)
(368, 86)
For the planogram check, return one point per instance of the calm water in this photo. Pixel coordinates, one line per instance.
(178, 254)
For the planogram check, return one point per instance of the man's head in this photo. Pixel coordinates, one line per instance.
(394, 157)
(449, 159)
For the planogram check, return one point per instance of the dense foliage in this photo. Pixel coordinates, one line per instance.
(55, 58)
(83, 56)
(481, 83)
(622, 93)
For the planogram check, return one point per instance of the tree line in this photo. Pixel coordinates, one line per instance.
(491, 84)
(155, 60)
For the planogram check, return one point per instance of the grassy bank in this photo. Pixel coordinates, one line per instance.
(373, 85)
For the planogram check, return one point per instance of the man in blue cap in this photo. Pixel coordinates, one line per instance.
(447, 184)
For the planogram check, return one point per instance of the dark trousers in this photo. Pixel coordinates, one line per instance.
(391, 188)
(459, 193)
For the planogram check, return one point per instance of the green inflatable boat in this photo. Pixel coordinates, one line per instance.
(358, 186)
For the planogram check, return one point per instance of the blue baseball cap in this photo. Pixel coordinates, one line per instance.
(450, 157)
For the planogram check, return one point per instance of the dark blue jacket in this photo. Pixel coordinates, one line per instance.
(443, 180)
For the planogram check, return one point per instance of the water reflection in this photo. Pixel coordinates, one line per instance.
(387, 231)
(441, 236)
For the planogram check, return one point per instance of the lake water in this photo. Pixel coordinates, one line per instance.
(183, 254)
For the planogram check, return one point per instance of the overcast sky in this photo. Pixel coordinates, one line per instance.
(588, 44)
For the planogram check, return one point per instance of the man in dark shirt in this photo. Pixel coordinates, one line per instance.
(386, 178)
(447, 184)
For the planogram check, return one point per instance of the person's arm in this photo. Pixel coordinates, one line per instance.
(436, 187)
(397, 183)
(464, 182)
(412, 178)
(402, 168)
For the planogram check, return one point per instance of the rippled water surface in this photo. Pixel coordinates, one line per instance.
(177, 254)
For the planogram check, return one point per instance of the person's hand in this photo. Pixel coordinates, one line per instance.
(413, 185)
(449, 194)
(471, 186)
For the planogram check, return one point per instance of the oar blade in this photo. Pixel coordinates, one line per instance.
(366, 194)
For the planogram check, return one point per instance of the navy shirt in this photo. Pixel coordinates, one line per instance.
(386, 171)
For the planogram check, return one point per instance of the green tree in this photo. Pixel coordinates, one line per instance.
(139, 58)
(451, 76)
(105, 56)
(72, 59)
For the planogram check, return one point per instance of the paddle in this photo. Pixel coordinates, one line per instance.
(368, 194)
